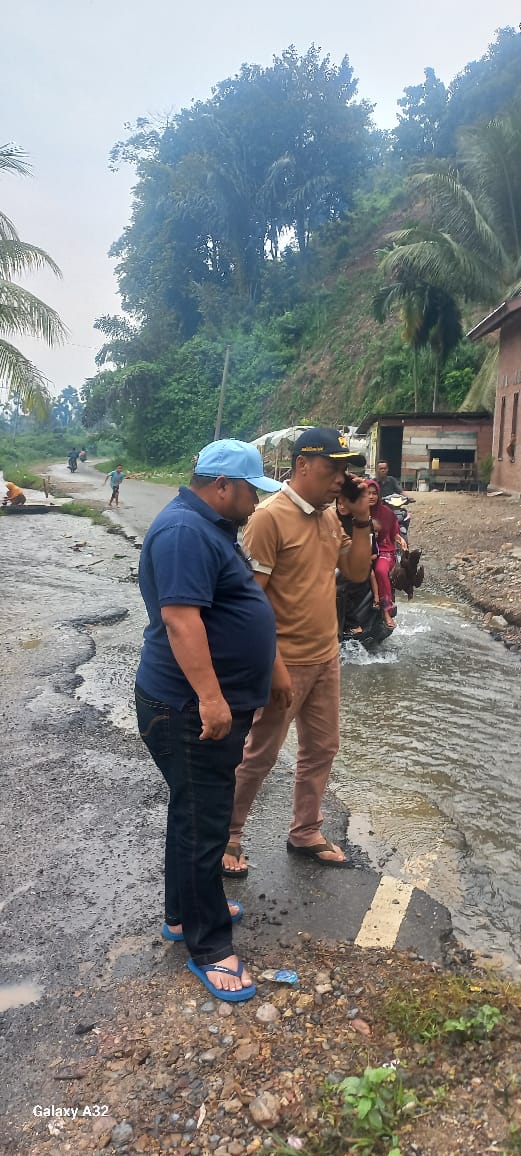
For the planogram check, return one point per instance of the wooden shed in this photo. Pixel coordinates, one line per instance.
(442, 449)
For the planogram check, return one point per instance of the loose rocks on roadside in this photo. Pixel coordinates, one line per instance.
(472, 549)
(171, 1073)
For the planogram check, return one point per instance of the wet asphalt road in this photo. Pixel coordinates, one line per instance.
(139, 501)
(84, 807)
(83, 802)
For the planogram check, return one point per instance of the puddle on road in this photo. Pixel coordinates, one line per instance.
(14, 995)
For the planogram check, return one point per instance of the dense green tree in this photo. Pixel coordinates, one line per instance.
(66, 408)
(247, 206)
(122, 340)
(431, 116)
(21, 313)
(430, 317)
(445, 331)
(484, 89)
(473, 246)
(410, 298)
(273, 151)
(423, 109)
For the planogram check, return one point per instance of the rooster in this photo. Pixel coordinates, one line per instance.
(407, 575)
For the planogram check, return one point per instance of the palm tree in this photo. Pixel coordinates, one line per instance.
(409, 298)
(429, 317)
(21, 313)
(444, 332)
(474, 245)
(472, 248)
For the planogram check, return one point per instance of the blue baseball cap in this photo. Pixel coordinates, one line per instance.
(235, 460)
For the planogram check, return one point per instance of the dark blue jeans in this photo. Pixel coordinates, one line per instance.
(201, 778)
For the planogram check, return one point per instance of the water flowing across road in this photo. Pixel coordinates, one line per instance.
(429, 765)
(430, 768)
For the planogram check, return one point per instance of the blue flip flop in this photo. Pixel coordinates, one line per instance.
(178, 937)
(228, 996)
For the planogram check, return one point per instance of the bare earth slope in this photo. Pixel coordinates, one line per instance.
(472, 548)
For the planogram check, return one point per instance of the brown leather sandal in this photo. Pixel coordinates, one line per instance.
(314, 852)
(235, 850)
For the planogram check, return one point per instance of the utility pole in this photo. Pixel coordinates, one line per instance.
(220, 407)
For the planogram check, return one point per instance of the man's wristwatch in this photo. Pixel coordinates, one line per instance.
(362, 525)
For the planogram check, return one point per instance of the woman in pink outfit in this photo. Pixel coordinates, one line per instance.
(387, 530)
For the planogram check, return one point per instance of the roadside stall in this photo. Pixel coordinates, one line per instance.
(275, 449)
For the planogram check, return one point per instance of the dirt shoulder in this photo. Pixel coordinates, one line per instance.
(472, 550)
(167, 1069)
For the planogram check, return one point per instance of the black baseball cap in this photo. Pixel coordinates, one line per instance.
(325, 442)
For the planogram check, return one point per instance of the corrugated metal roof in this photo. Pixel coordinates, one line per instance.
(495, 319)
(416, 418)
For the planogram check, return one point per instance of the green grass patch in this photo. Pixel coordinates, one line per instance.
(83, 510)
(178, 474)
(452, 1007)
(20, 455)
(23, 476)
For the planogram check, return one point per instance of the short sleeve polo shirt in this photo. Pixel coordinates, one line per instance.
(190, 558)
(298, 546)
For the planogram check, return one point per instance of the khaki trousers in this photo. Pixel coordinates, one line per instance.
(315, 708)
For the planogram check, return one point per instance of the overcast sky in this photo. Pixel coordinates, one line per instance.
(74, 73)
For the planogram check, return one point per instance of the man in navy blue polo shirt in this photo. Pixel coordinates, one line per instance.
(206, 666)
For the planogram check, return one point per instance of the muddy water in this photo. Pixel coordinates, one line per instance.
(430, 768)
(429, 763)
(18, 995)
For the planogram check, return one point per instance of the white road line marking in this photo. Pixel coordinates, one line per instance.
(382, 921)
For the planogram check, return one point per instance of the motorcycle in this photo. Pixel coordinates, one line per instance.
(82, 455)
(358, 619)
(398, 503)
(407, 575)
(72, 465)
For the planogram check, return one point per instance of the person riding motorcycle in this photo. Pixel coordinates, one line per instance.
(398, 503)
(73, 460)
(359, 614)
(388, 484)
(388, 538)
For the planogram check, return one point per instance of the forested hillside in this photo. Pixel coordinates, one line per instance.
(339, 264)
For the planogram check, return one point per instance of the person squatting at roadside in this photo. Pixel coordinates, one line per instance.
(295, 543)
(206, 665)
(14, 496)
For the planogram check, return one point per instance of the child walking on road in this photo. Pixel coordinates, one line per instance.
(116, 477)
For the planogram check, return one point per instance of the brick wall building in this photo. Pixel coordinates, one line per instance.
(506, 445)
(455, 442)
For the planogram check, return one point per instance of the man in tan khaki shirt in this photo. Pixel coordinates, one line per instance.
(295, 544)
